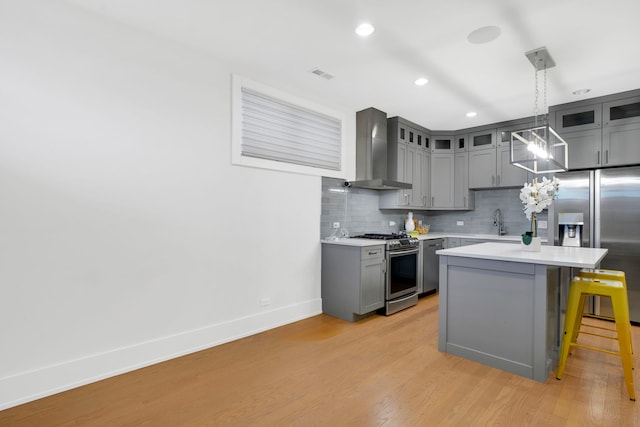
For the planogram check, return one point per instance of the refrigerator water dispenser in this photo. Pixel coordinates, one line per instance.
(570, 228)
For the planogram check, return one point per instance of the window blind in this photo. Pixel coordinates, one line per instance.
(275, 130)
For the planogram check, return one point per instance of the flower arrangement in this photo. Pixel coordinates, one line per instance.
(537, 196)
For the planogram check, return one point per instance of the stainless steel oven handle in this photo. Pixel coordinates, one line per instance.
(407, 252)
(411, 295)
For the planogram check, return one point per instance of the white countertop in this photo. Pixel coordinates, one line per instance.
(347, 241)
(548, 255)
(431, 235)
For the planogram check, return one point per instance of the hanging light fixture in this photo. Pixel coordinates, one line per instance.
(539, 149)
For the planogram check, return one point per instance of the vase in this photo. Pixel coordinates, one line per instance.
(534, 225)
(531, 244)
(409, 224)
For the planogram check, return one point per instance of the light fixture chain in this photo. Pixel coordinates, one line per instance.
(535, 102)
(544, 106)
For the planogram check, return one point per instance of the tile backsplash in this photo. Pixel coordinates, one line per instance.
(357, 211)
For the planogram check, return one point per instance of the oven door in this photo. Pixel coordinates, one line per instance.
(402, 273)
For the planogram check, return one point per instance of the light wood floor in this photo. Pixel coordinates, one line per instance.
(324, 371)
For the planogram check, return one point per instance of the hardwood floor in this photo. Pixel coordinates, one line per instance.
(324, 371)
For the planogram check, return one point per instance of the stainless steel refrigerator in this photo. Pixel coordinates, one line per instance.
(609, 201)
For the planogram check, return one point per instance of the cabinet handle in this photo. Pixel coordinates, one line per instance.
(433, 201)
(424, 200)
(598, 161)
(493, 180)
(464, 199)
(498, 181)
(606, 157)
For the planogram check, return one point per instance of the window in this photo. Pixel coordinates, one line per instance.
(277, 131)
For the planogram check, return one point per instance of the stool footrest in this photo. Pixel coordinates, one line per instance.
(601, 350)
(599, 335)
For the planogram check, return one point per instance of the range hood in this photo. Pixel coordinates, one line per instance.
(376, 161)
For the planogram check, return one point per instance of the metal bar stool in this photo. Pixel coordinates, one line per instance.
(585, 286)
(600, 274)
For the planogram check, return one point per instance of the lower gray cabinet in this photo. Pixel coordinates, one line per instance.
(453, 242)
(353, 280)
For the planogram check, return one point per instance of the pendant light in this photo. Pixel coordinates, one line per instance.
(539, 149)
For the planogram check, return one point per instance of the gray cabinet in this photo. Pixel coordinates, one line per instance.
(482, 139)
(578, 118)
(621, 132)
(490, 167)
(621, 111)
(442, 143)
(412, 144)
(482, 168)
(507, 174)
(581, 127)
(482, 158)
(353, 279)
(601, 134)
(461, 196)
(461, 143)
(453, 242)
(584, 148)
(621, 145)
(442, 180)
(426, 179)
(372, 279)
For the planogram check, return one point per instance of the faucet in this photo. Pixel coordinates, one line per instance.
(498, 222)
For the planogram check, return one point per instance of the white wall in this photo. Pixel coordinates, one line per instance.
(126, 235)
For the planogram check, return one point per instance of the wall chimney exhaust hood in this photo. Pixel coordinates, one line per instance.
(376, 161)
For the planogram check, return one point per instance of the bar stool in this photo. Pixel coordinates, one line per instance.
(585, 286)
(600, 274)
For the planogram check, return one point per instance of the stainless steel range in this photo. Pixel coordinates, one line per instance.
(401, 253)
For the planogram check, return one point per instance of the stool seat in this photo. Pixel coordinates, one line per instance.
(580, 288)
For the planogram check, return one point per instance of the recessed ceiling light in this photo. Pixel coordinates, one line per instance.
(421, 81)
(365, 29)
(471, 114)
(484, 35)
(581, 91)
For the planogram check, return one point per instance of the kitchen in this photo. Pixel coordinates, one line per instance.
(117, 186)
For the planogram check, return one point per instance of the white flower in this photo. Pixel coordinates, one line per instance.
(538, 195)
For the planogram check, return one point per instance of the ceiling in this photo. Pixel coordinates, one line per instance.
(594, 45)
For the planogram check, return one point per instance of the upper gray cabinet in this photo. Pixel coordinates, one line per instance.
(509, 175)
(621, 131)
(622, 111)
(461, 143)
(581, 128)
(442, 178)
(601, 132)
(442, 143)
(413, 162)
(579, 118)
(482, 140)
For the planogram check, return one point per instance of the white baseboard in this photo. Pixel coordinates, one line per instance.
(35, 384)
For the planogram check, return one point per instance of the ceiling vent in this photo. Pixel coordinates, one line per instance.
(323, 74)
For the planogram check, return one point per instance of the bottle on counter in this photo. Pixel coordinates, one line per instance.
(409, 223)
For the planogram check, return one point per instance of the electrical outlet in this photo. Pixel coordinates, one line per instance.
(392, 223)
(460, 223)
(265, 302)
(542, 225)
(336, 224)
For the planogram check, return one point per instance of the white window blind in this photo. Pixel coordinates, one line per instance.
(276, 130)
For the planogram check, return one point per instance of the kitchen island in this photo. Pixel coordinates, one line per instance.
(504, 307)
